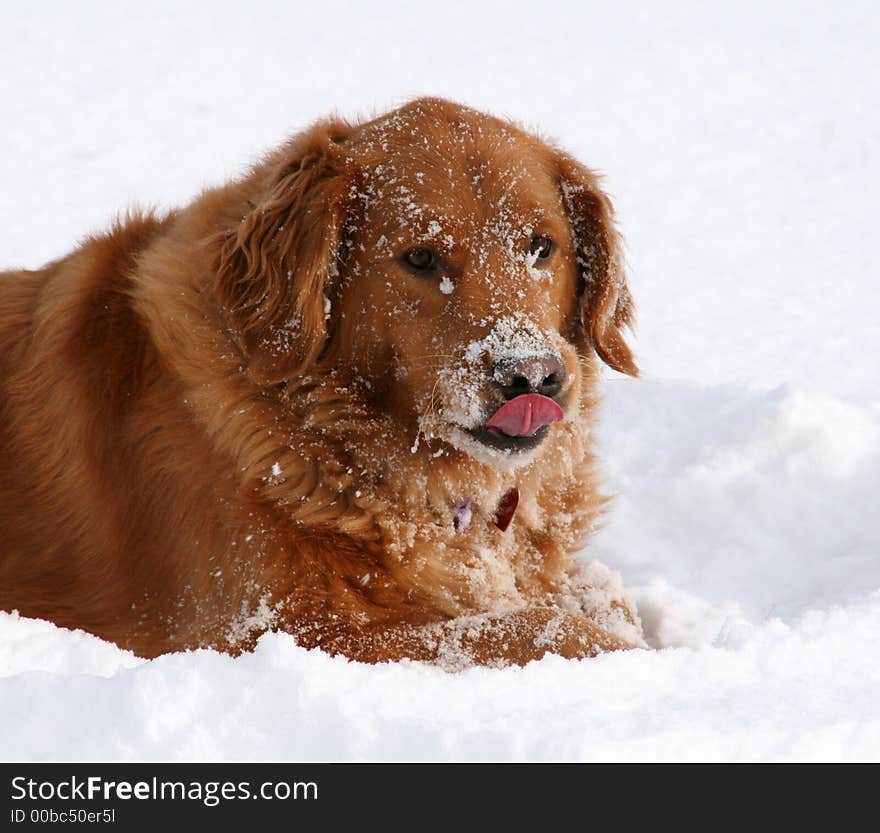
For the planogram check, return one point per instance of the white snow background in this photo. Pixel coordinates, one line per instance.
(740, 143)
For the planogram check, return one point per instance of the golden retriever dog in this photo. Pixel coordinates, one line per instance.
(348, 396)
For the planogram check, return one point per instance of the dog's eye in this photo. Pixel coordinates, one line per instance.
(541, 247)
(422, 260)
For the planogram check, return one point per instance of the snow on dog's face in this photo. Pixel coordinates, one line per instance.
(458, 271)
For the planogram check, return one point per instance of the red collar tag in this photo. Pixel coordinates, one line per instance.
(506, 509)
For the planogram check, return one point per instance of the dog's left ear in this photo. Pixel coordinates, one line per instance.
(274, 268)
(606, 304)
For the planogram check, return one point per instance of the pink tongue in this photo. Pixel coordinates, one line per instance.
(525, 415)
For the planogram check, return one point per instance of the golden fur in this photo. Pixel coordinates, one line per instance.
(248, 414)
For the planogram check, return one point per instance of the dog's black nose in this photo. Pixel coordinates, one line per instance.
(542, 374)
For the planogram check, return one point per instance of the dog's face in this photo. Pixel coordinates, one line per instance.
(461, 290)
(457, 272)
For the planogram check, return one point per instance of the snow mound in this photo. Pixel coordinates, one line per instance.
(774, 691)
(767, 498)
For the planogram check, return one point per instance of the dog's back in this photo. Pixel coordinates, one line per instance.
(75, 364)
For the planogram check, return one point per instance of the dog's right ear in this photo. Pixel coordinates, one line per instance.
(273, 270)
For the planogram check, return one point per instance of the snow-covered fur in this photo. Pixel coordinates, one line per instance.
(253, 414)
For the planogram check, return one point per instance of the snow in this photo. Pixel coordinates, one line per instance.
(798, 691)
(741, 148)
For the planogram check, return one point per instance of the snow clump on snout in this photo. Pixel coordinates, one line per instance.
(463, 394)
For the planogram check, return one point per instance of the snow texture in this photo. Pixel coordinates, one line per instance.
(740, 145)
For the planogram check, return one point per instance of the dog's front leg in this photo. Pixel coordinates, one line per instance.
(522, 636)
(513, 638)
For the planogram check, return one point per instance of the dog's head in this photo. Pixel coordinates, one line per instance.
(459, 273)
